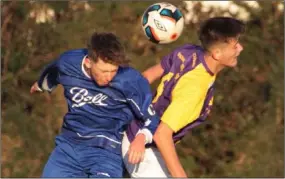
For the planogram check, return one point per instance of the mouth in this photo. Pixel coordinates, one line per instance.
(105, 83)
(235, 57)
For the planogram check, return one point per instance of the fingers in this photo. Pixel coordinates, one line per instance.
(32, 90)
(135, 157)
(35, 88)
(142, 157)
(137, 149)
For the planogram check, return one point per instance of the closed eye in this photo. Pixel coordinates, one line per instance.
(105, 71)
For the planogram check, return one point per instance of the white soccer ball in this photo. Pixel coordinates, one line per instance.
(162, 23)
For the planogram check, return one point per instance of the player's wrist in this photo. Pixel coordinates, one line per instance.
(141, 137)
(38, 88)
(147, 134)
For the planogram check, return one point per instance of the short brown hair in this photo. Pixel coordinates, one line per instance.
(220, 29)
(107, 47)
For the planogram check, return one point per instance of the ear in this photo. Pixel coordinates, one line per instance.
(87, 62)
(217, 53)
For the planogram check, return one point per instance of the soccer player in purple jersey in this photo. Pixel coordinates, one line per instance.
(184, 97)
(103, 96)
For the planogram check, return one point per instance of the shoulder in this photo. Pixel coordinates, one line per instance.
(186, 54)
(128, 74)
(71, 58)
(188, 50)
(129, 78)
(185, 58)
(72, 55)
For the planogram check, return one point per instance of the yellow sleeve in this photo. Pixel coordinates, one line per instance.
(187, 100)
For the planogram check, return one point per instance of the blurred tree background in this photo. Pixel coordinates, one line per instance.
(244, 135)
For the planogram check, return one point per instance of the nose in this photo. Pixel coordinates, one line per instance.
(239, 47)
(109, 76)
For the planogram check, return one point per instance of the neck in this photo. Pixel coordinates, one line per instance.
(86, 68)
(213, 64)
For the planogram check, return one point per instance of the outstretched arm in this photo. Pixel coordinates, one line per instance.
(47, 80)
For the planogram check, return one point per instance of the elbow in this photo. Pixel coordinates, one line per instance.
(161, 135)
(157, 137)
(148, 77)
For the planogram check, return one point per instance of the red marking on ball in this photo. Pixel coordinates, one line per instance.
(155, 36)
(173, 36)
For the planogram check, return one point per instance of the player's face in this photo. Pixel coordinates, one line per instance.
(103, 72)
(230, 52)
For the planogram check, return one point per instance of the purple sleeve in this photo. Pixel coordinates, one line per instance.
(166, 62)
(173, 57)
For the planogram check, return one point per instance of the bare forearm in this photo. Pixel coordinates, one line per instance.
(166, 147)
(171, 159)
(153, 73)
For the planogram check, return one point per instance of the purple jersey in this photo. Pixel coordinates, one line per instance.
(185, 95)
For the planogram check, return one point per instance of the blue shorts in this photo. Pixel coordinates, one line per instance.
(69, 159)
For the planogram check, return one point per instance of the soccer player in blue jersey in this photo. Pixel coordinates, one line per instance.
(103, 95)
(184, 97)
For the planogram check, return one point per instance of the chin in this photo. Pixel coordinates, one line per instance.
(233, 64)
(103, 84)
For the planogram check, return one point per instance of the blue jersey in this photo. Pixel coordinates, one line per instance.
(97, 114)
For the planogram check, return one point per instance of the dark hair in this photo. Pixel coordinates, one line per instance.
(220, 29)
(108, 47)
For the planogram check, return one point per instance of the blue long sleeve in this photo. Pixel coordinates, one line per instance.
(48, 78)
(140, 102)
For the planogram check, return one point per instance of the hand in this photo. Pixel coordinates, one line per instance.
(35, 88)
(137, 149)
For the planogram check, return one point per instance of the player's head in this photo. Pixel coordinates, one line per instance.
(105, 55)
(220, 37)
